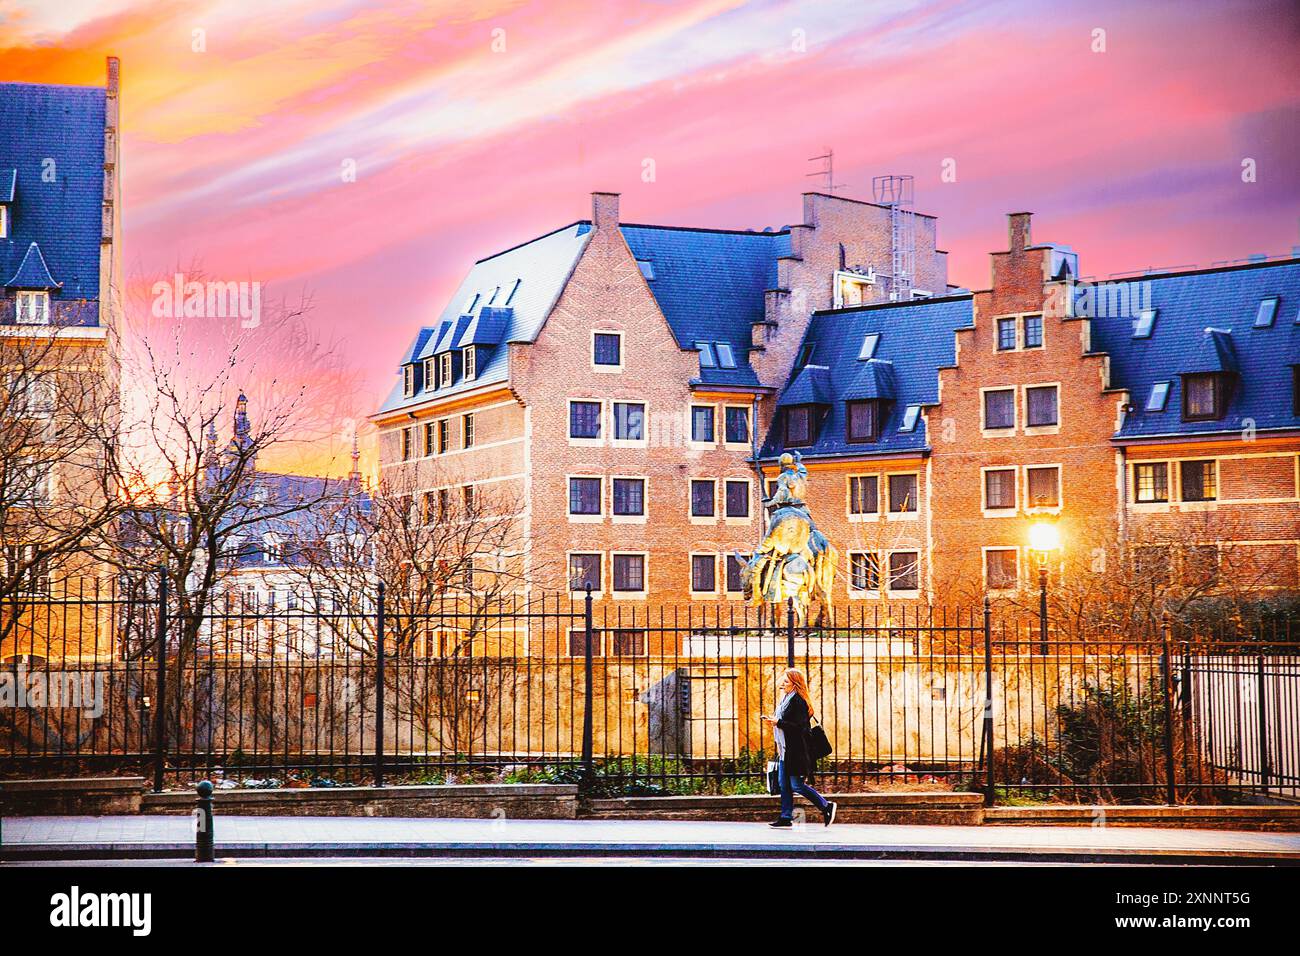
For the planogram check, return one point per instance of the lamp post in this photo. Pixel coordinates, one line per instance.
(1044, 538)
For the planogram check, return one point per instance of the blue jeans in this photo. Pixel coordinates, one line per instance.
(791, 783)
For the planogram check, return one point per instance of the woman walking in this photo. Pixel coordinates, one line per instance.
(790, 726)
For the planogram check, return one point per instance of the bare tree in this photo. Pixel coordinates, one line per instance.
(58, 421)
(451, 560)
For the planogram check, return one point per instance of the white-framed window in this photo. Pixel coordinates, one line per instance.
(629, 574)
(735, 426)
(586, 568)
(852, 288)
(1151, 482)
(704, 574)
(467, 429)
(864, 573)
(469, 363)
(703, 505)
(703, 425)
(4, 221)
(733, 573)
(33, 308)
(606, 350)
(904, 570)
(586, 498)
(1042, 408)
(735, 500)
(408, 380)
(430, 374)
(1042, 488)
(628, 503)
(904, 494)
(444, 369)
(586, 419)
(630, 423)
(863, 497)
(408, 443)
(31, 482)
(998, 411)
(1001, 569)
(998, 491)
(444, 436)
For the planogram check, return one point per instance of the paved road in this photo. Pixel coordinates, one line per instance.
(361, 837)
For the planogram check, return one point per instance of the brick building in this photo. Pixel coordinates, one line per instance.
(612, 381)
(1154, 421)
(630, 387)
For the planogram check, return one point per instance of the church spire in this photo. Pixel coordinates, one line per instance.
(354, 476)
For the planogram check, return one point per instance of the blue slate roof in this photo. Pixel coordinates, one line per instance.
(709, 284)
(65, 125)
(916, 340)
(524, 281)
(875, 379)
(811, 385)
(1186, 305)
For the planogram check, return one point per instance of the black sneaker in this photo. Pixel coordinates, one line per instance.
(782, 824)
(828, 815)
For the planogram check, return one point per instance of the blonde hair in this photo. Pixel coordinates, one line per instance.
(800, 685)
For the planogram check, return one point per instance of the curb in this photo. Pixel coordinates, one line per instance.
(736, 851)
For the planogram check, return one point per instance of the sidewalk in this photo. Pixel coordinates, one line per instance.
(152, 836)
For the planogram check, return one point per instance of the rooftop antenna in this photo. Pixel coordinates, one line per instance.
(828, 158)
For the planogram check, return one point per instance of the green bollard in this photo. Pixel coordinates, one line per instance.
(203, 845)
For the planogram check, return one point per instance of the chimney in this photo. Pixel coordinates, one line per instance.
(113, 68)
(1018, 227)
(604, 210)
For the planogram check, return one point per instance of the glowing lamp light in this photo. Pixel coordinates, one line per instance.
(1044, 537)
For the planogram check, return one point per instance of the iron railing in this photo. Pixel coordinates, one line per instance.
(628, 698)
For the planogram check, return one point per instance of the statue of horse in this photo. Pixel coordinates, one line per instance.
(795, 560)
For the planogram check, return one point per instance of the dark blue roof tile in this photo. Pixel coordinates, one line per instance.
(52, 141)
(916, 340)
(1187, 304)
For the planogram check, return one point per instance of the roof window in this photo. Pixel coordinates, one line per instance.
(910, 416)
(1146, 321)
(726, 358)
(1267, 312)
(1158, 397)
(869, 343)
(706, 355)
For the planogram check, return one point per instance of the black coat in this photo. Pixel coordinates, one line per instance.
(795, 723)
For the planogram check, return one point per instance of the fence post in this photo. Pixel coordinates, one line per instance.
(379, 689)
(987, 745)
(588, 769)
(1261, 708)
(160, 712)
(1166, 667)
(789, 632)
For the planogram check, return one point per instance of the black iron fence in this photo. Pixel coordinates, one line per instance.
(625, 698)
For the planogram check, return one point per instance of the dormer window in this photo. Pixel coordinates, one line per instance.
(444, 368)
(4, 221)
(1205, 397)
(33, 308)
(408, 380)
(862, 420)
(430, 374)
(1267, 312)
(805, 355)
(470, 362)
(798, 426)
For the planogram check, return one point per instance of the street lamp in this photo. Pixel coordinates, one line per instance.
(1044, 538)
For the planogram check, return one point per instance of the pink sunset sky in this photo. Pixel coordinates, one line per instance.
(475, 126)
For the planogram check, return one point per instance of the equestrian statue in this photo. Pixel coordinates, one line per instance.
(795, 560)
